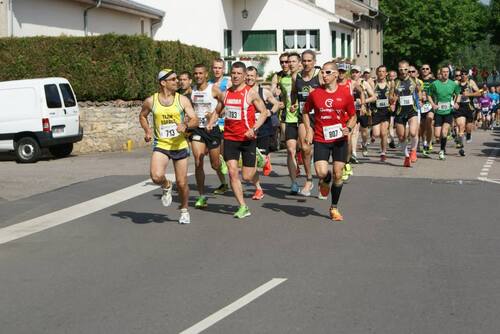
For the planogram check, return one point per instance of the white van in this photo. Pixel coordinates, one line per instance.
(38, 113)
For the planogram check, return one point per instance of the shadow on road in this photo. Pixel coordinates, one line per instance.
(293, 210)
(143, 217)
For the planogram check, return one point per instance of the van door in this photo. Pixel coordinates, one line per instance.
(54, 110)
(71, 111)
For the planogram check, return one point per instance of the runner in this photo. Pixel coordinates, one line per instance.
(204, 99)
(403, 94)
(393, 75)
(304, 82)
(185, 83)
(414, 75)
(426, 116)
(240, 103)
(266, 130)
(444, 97)
(367, 77)
(172, 115)
(344, 82)
(279, 79)
(495, 99)
(464, 115)
(334, 118)
(223, 83)
(382, 112)
(485, 105)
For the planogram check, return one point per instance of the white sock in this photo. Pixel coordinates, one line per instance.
(414, 143)
(404, 147)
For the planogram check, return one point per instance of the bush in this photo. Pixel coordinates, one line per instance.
(100, 68)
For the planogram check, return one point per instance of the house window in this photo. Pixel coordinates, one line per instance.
(342, 45)
(228, 43)
(334, 44)
(301, 39)
(349, 46)
(259, 40)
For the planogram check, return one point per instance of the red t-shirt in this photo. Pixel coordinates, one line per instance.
(332, 111)
(239, 115)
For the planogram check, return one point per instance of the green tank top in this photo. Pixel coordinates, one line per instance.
(285, 83)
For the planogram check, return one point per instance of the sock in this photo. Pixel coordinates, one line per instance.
(468, 136)
(404, 147)
(335, 191)
(425, 143)
(443, 143)
(414, 143)
(461, 139)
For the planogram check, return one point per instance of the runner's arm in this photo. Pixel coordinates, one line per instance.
(293, 94)
(218, 110)
(147, 106)
(260, 107)
(371, 94)
(475, 90)
(192, 119)
(274, 83)
(351, 111)
(271, 99)
(308, 106)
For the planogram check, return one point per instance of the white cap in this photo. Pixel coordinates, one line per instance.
(356, 68)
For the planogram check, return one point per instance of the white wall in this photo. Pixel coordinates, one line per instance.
(60, 17)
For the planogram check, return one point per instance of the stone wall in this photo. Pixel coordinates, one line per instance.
(107, 126)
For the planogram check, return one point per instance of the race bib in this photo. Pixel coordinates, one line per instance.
(257, 115)
(168, 131)
(406, 100)
(332, 132)
(382, 103)
(485, 109)
(426, 108)
(357, 105)
(233, 113)
(464, 99)
(443, 106)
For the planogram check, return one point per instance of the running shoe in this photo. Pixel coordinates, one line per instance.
(469, 141)
(345, 178)
(364, 150)
(425, 152)
(407, 162)
(413, 156)
(354, 159)
(348, 169)
(383, 158)
(223, 165)
(261, 160)
(430, 147)
(184, 218)
(242, 212)
(201, 202)
(166, 197)
(392, 144)
(441, 155)
(306, 193)
(335, 215)
(221, 189)
(324, 185)
(294, 188)
(258, 195)
(461, 152)
(267, 167)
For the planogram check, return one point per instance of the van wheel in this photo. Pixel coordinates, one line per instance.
(62, 150)
(27, 150)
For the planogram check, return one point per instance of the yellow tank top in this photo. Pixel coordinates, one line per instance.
(165, 120)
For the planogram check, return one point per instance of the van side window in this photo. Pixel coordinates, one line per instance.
(52, 96)
(68, 97)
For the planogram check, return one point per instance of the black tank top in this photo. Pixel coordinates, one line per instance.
(382, 94)
(267, 128)
(304, 87)
(465, 100)
(405, 88)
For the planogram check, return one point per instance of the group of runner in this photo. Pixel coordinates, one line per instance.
(321, 112)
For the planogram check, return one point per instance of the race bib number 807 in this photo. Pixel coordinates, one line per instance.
(332, 132)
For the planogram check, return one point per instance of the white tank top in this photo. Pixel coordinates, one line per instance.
(203, 104)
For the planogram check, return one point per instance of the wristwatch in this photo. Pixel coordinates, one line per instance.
(254, 129)
(350, 129)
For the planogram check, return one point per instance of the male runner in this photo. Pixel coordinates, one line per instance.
(278, 78)
(185, 83)
(426, 116)
(392, 76)
(204, 98)
(382, 112)
(403, 94)
(266, 130)
(172, 115)
(495, 99)
(240, 103)
(304, 82)
(367, 77)
(464, 115)
(334, 118)
(444, 97)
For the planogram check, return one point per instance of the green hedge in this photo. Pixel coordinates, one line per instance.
(100, 68)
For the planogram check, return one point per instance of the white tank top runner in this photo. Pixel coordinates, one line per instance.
(203, 104)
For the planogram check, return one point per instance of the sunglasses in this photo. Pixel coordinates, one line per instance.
(284, 62)
(425, 69)
(327, 72)
(403, 69)
(412, 71)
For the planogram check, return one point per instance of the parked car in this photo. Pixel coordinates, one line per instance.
(36, 114)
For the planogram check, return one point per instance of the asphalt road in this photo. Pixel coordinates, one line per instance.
(418, 251)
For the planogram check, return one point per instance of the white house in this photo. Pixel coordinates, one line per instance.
(21, 18)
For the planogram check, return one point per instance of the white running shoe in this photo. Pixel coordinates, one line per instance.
(166, 197)
(184, 218)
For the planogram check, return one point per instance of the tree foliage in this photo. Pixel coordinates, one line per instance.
(425, 31)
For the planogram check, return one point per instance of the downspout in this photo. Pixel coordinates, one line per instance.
(85, 16)
(153, 24)
(11, 18)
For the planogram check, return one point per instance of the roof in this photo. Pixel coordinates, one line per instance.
(129, 6)
(332, 16)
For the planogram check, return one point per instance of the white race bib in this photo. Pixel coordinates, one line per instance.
(233, 113)
(426, 108)
(168, 131)
(443, 106)
(485, 109)
(332, 132)
(406, 100)
(464, 99)
(382, 103)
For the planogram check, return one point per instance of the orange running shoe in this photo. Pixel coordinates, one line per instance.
(324, 185)
(267, 167)
(407, 162)
(335, 215)
(413, 156)
(258, 195)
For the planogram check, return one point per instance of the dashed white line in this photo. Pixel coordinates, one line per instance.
(62, 216)
(483, 175)
(233, 307)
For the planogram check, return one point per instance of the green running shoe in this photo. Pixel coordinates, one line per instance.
(223, 166)
(242, 212)
(261, 159)
(201, 202)
(348, 169)
(221, 189)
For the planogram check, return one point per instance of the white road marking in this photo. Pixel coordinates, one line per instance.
(483, 175)
(233, 307)
(62, 216)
